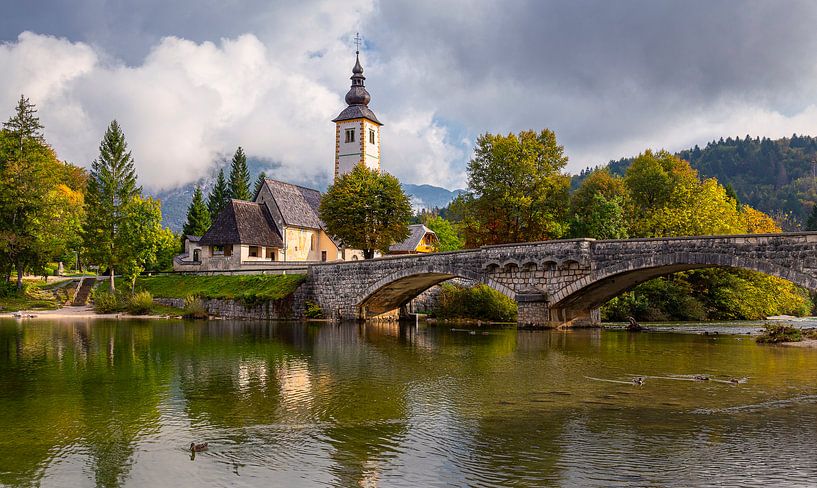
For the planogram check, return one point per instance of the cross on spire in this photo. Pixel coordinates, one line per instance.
(357, 42)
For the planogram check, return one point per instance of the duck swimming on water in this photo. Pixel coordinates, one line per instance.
(638, 380)
(198, 447)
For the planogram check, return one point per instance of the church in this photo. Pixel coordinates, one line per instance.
(283, 223)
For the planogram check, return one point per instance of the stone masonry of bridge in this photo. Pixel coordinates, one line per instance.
(554, 282)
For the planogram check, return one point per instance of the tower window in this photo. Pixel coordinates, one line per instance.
(371, 136)
(350, 135)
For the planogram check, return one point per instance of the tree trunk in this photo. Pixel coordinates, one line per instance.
(368, 253)
(19, 277)
(113, 285)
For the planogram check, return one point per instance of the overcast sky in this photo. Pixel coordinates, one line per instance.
(191, 80)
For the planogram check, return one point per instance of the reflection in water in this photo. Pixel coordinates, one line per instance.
(114, 403)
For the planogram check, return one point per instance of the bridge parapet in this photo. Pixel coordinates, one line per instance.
(556, 281)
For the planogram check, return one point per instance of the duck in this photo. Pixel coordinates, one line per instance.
(198, 447)
(700, 377)
(638, 380)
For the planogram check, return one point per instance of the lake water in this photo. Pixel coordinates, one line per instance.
(106, 403)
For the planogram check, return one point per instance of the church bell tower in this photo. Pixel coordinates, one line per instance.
(357, 130)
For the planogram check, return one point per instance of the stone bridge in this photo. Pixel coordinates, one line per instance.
(556, 282)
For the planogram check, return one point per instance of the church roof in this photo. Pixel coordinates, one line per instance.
(357, 97)
(243, 223)
(298, 205)
(417, 232)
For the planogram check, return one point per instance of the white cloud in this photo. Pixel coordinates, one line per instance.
(188, 104)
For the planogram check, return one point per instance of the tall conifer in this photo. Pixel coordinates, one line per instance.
(218, 196)
(111, 187)
(198, 217)
(259, 183)
(239, 176)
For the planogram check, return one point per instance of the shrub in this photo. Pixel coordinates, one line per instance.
(194, 308)
(140, 303)
(7, 289)
(106, 302)
(478, 302)
(774, 333)
(313, 310)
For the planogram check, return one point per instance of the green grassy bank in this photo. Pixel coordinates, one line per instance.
(248, 288)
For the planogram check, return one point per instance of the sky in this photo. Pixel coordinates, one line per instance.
(190, 80)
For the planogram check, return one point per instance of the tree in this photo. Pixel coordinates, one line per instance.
(140, 237)
(366, 210)
(811, 223)
(219, 196)
(239, 187)
(111, 188)
(198, 217)
(446, 234)
(602, 219)
(259, 183)
(36, 210)
(516, 189)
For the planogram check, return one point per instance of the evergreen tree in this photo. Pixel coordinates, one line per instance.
(239, 176)
(24, 124)
(259, 183)
(811, 223)
(198, 217)
(111, 188)
(218, 196)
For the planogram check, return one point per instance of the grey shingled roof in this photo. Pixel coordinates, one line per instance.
(356, 112)
(298, 205)
(243, 223)
(192, 238)
(417, 232)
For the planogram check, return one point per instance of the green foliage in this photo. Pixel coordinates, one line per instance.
(259, 183)
(516, 189)
(776, 333)
(479, 302)
(194, 308)
(249, 288)
(219, 196)
(811, 222)
(366, 210)
(313, 310)
(198, 216)
(111, 188)
(447, 234)
(140, 303)
(239, 186)
(140, 235)
(107, 302)
(656, 300)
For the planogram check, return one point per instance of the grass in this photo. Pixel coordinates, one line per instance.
(248, 288)
(33, 297)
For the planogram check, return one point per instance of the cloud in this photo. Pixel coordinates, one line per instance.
(610, 78)
(188, 105)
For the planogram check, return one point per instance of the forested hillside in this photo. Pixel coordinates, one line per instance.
(774, 176)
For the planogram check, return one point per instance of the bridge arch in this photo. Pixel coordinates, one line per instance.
(601, 285)
(398, 288)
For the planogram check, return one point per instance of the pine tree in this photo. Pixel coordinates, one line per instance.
(259, 183)
(24, 124)
(198, 217)
(218, 196)
(811, 223)
(111, 188)
(239, 176)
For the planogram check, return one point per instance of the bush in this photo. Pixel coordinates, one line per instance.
(313, 310)
(194, 308)
(8, 289)
(774, 333)
(106, 302)
(140, 303)
(479, 302)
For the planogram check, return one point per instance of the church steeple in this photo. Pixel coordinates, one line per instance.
(357, 130)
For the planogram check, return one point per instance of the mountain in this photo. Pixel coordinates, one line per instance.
(778, 177)
(175, 201)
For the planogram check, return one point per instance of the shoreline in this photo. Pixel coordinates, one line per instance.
(71, 312)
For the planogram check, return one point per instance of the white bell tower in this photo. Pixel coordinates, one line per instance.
(357, 130)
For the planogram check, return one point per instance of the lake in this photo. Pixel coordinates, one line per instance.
(117, 403)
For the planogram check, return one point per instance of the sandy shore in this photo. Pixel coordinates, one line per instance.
(84, 312)
(803, 343)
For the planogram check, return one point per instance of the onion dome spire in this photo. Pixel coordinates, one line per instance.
(357, 93)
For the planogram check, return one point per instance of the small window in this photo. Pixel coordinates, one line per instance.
(350, 135)
(196, 255)
(323, 255)
(253, 251)
(271, 253)
(217, 249)
(371, 136)
(228, 250)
